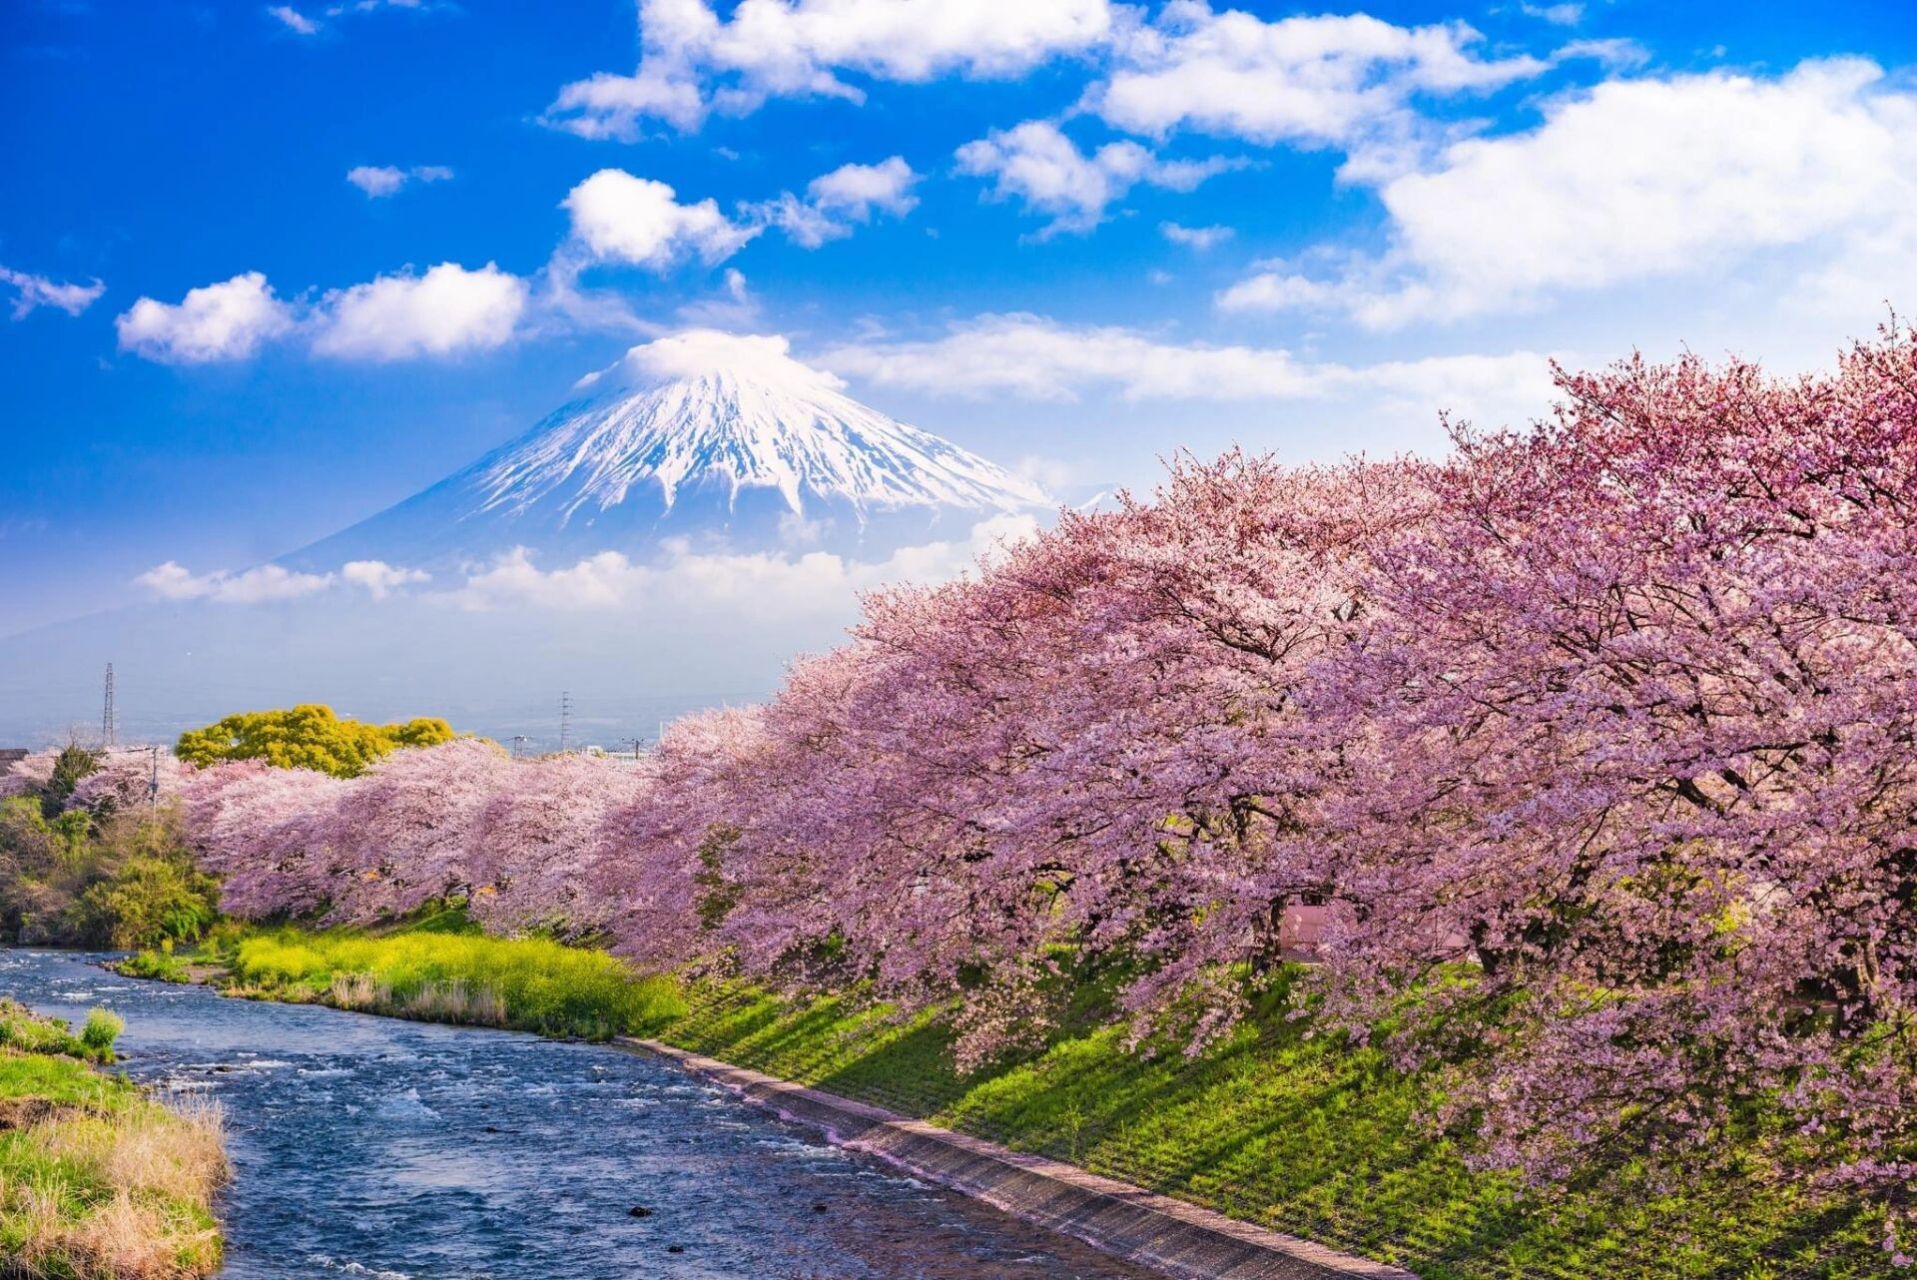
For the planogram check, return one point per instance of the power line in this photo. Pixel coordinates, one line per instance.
(107, 727)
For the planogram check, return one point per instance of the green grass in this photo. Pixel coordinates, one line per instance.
(446, 975)
(97, 1181)
(1305, 1134)
(160, 966)
(24, 1031)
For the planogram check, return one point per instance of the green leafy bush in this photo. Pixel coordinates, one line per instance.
(72, 764)
(102, 1029)
(150, 900)
(107, 880)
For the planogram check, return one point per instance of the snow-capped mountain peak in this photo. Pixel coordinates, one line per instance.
(700, 433)
(705, 407)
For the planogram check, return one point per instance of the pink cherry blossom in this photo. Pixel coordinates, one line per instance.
(1608, 726)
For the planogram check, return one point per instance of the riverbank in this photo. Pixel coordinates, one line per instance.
(1288, 1126)
(1283, 1125)
(1170, 1236)
(97, 1180)
(370, 1146)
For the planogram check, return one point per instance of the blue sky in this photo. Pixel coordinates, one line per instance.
(1070, 234)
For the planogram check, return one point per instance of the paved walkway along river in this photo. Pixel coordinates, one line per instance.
(368, 1146)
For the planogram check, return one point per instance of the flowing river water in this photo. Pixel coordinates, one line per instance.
(372, 1147)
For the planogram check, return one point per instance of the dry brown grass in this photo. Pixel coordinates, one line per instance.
(127, 1240)
(358, 991)
(444, 1000)
(160, 1167)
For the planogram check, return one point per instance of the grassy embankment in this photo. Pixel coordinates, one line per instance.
(1300, 1132)
(97, 1181)
(438, 970)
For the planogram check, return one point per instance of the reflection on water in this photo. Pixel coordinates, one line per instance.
(370, 1147)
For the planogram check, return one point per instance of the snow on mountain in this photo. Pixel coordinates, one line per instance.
(708, 436)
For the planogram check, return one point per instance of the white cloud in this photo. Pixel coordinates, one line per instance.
(267, 582)
(1614, 53)
(303, 24)
(379, 579)
(693, 61)
(802, 222)
(735, 306)
(1038, 359)
(855, 190)
(1037, 163)
(225, 321)
(1279, 290)
(293, 20)
(447, 311)
(693, 353)
(1312, 81)
(1646, 179)
(1564, 15)
(1199, 238)
(385, 179)
(618, 217)
(762, 585)
(838, 200)
(38, 291)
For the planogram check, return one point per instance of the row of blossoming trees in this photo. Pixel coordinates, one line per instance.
(1597, 736)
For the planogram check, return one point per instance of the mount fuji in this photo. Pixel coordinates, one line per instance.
(714, 438)
(702, 511)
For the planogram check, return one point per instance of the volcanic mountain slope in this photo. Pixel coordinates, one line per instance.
(711, 437)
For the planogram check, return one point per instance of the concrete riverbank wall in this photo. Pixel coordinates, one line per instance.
(1155, 1231)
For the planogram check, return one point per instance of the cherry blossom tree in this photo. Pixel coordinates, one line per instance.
(536, 842)
(663, 867)
(28, 775)
(1595, 738)
(1637, 715)
(129, 779)
(404, 831)
(268, 833)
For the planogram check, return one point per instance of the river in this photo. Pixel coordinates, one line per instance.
(367, 1146)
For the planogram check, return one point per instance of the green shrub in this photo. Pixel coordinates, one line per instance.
(109, 880)
(72, 764)
(150, 900)
(102, 1028)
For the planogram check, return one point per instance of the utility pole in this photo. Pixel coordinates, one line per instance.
(565, 722)
(153, 779)
(519, 740)
(106, 714)
(635, 745)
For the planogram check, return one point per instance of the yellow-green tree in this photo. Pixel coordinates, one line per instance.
(308, 736)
